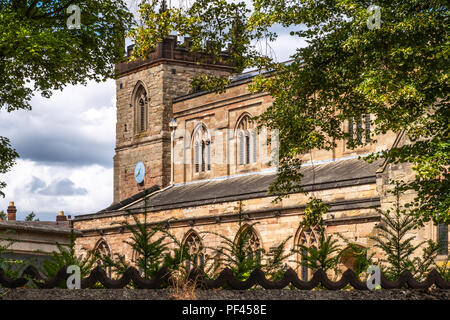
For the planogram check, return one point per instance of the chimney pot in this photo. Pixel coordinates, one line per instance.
(61, 217)
(11, 211)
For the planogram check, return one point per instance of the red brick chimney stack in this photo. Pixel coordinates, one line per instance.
(11, 211)
(61, 217)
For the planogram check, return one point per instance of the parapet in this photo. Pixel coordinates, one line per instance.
(170, 50)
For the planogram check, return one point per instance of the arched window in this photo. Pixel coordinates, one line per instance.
(140, 103)
(102, 250)
(195, 248)
(309, 238)
(359, 128)
(202, 150)
(247, 141)
(252, 245)
(443, 238)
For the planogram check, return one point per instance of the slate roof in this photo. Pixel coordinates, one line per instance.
(324, 176)
(37, 226)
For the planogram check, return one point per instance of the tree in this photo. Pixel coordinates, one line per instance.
(326, 255)
(394, 239)
(148, 244)
(397, 72)
(3, 215)
(66, 256)
(40, 53)
(237, 254)
(31, 217)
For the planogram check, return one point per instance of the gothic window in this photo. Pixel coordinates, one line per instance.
(196, 155)
(367, 122)
(202, 150)
(443, 238)
(252, 244)
(195, 249)
(241, 148)
(359, 128)
(140, 109)
(102, 249)
(308, 238)
(247, 141)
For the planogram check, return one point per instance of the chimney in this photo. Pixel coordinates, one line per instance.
(12, 212)
(61, 217)
(69, 217)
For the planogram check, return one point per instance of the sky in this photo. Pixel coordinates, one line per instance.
(66, 147)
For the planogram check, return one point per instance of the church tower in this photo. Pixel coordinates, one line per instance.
(144, 93)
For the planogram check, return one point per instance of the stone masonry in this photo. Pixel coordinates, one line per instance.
(206, 201)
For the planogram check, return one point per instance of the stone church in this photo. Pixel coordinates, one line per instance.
(189, 158)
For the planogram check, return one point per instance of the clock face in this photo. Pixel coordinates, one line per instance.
(139, 172)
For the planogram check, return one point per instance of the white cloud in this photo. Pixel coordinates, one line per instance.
(47, 189)
(74, 127)
(66, 144)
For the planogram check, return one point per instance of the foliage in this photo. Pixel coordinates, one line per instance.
(396, 243)
(154, 247)
(213, 27)
(275, 265)
(39, 53)
(66, 256)
(149, 252)
(31, 217)
(3, 215)
(443, 268)
(7, 160)
(11, 267)
(236, 254)
(313, 214)
(325, 256)
(398, 73)
(360, 255)
(118, 264)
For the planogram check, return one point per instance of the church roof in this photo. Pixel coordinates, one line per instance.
(330, 175)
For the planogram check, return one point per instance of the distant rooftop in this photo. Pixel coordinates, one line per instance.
(60, 227)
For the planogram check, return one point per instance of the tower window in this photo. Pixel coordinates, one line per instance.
(140, 110)
(202, 150)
